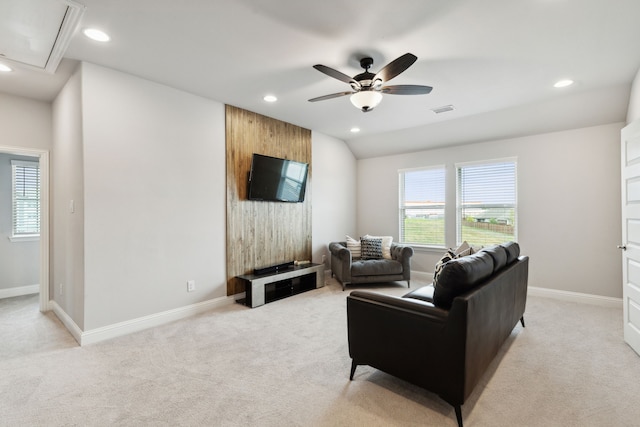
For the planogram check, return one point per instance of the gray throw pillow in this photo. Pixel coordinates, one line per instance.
(371, 248)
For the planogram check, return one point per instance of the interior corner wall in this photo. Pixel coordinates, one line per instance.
(569, 206)
(154, 197)
(66, 257)
(633, 113)
(334, 193)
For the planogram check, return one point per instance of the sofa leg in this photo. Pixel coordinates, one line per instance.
(522, 321)
(408, 283)
(354, 365)
(458, 409)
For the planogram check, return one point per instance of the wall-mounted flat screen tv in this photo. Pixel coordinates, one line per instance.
(275, 179)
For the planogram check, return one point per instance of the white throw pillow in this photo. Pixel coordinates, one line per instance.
(386, 244)
(463, 250)
(354, 247)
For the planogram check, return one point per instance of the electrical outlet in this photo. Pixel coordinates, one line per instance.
(191, 285)
(60, 289)
(324, 259)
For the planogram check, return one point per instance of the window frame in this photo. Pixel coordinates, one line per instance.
(402, 206)
(16, 235)
(459, 207)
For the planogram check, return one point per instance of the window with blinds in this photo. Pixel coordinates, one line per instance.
(422, 205)
(26, 198)
(487, 202)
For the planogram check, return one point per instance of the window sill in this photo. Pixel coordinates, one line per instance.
(26, 238)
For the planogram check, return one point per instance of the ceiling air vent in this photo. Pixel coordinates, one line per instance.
(443, 109)
(37, 33)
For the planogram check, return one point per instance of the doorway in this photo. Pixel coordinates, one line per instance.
(43, 159)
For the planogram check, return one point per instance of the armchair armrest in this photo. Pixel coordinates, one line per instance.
(340, 262)
(403, 254)
(339, 249)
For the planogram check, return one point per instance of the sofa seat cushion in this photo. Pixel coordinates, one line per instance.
(425, 293)
(375, 267)
(460, 275)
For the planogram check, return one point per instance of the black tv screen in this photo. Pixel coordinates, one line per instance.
(274, 179)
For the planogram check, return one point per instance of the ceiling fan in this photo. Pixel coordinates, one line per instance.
(367, 88)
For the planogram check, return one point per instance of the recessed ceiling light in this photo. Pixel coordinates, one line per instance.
(355, 130)
(5, 68)
(97, 35)
(563, 83)
(270, 98)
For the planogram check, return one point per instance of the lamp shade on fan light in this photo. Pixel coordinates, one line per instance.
(366, 100)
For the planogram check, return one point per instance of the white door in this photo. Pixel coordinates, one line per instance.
(630, 148)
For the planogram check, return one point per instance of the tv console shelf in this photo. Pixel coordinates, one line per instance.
(265, 288)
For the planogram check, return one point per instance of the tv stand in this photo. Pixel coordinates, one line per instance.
(261, 289)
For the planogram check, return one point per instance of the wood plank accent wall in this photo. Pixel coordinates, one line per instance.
(260, 234)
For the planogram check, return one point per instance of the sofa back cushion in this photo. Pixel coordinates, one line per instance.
(461, 275)
(513, 251)
(498, 254)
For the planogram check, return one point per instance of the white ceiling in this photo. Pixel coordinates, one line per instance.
(494, 60)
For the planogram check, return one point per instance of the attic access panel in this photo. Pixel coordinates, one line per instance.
(36, 33)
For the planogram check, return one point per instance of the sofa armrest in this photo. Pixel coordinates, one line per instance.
(404, 337)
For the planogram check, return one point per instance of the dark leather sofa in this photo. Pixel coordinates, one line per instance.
(442, 337)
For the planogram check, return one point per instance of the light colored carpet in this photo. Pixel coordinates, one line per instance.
(287, 364)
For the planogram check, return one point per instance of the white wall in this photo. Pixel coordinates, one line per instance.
(154, 174)
(633, 113)
(334, 193)
(568, 197)
(145, 167)
(67, 184)
(25, 123)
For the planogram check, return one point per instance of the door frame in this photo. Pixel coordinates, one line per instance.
(43, 156)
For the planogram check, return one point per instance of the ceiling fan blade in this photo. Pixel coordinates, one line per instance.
(333, 95)
(336, 74)
(395, 67)
(406, 90)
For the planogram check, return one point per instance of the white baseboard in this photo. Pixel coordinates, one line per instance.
(67, 321)
(19, 291)
(157, 319)
(135, 325)
(578, 297)
(548, 293)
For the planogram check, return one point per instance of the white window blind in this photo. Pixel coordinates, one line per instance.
(487, 202)
(422, 204)
(26, 197)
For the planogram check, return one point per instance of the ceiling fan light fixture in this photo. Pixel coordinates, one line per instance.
(366, 100)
